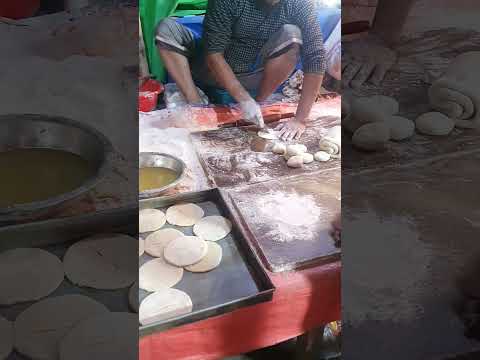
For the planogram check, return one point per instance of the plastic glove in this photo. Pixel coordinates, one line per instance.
(366, 59)
(252, 113)
(290, 130)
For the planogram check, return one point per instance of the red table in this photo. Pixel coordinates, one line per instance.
(302, 301)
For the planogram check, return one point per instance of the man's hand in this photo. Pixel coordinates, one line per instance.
(366, 59)
(291, 130)
(252, 113)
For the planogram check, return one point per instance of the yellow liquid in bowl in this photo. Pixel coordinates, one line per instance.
(29, 175)
(155, 178)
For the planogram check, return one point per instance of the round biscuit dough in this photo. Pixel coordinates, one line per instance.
(184, 214)
(279, 148)
(400, 128)
(295, 161)
(155, 242)
(210, 261)
(212, 228)
(141, 247)
(372, 136)
(133, 297)
(434, 123)
(39, 329)
(150, 220)
(158, 274)
(185, 251)
(28, 274)
(103, 261)
(164, 304)
(108, 336)
(6, 336)
(307, 158)
(298, 149)
(322, 156)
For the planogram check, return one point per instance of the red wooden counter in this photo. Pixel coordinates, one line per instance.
(302, 301)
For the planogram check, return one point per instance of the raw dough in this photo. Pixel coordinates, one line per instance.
(108, 336)
(6, 336)
(157, 274)
(307, 158)
(28, 274)
(332, 141)
(155, 242)
(210, 261)
(293, 150)
(279, 148)
(39, 329)
(150, 220)
(141, 247)
(184, 214)
(370, 109)
(133, 297)
(212, 228)
(434, 123)
(103, 261)
(322, 156)
(268, 135)
(400, 128)
(371, 137)
(185, 251)
(295, 161)
(164, 304)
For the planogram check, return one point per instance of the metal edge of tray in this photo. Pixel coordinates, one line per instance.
(265, 285)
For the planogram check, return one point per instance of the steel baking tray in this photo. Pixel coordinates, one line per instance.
(239, 281)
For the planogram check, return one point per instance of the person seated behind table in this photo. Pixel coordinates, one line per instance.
(248, 45)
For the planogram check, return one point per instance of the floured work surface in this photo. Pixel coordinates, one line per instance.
(290, 219)
(228, 159)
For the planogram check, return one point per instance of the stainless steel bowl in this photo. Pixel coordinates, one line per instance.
(20, 131)
(152, 159)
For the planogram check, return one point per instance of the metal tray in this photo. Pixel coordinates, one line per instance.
(239, 281)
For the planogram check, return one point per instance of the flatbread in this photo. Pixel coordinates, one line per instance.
(141, 247)
(164, 304)
(184, 214)
(212, 228)
(39, 329)
(104, 261)
(156, 242)
(150, 220)
(108, 336)
(133, 297)
(157, 274)
(6, 336)
(210, 261)
(185, 251)
(268, 135)
(28, 274)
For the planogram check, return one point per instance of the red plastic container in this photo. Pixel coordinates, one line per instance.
(148, 95)
(18, 9)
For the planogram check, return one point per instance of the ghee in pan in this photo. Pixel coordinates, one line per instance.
(155, 178)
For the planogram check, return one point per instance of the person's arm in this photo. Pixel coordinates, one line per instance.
(390, 18)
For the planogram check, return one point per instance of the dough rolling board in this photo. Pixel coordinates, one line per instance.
(285, 240)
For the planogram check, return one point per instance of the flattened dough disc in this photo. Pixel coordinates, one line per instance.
(141, 247)
(150, 220)
(158, 274)
(212, 228)
(39, 329)
(210, 261)
(28, 274)
(6, 336)
(108, 336)
(185, 251)
(156, 242)
(268, 134)
(104, 261)
(133, 297)
(163, 305)
(184, 214)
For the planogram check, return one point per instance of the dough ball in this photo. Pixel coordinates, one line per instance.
(57, 314)
(156, 242)
(279, 148)
(210, 261)
(133, 297)
(184, 214)
(150, 220)
(307, 158)
(322, 156)
(6, 336)
(212, 228)
(293, 150)
(108, 336)
(102, 262)
(141, 247)
(28, 274)
(185, 251)
(371, 137)
(158, 274)
(384, 104)
(295, 161)
(164, 304)
(365, 110)
(434, 123)
(400, 128)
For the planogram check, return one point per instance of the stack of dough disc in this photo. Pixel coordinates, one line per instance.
(150, 220)
(185, 251)
(6, 336)
(164, 304)
(141, 247)
(156, 242)
(157, 274)
(212, 228)
(184, 214)
(211, 260)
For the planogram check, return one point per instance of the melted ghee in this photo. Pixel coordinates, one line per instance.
(155, 178)
(29, 175)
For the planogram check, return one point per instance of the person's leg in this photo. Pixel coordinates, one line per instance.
(176, 45)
